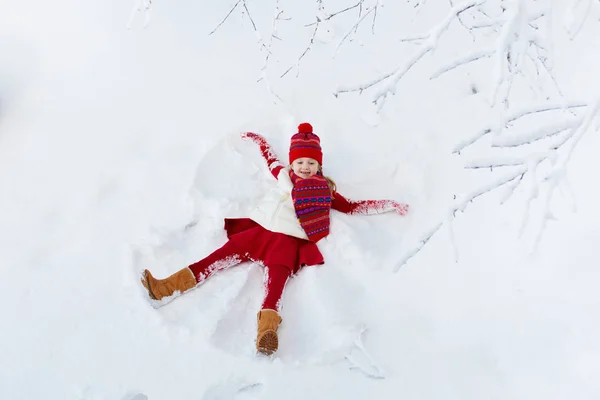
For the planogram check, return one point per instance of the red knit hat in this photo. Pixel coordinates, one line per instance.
(306, 144)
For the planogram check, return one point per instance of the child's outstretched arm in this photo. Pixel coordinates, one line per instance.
(366, 207)
(266, 151)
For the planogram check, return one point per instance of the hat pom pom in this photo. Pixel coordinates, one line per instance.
(305, 127)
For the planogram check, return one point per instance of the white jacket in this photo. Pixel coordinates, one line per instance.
(276, 212)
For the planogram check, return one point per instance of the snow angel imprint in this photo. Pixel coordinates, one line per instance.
(281, 232)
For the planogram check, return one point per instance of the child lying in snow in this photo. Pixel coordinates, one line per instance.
(281, 232)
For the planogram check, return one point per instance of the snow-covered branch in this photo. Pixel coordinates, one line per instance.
(512, 45)
(576, 15)
(142, 7)
(518, 40)
(499, 127)
(520, 48)
(430, 41)
(277, 16)
(327, 17)
(369, 10)
(264, 46)
(578, 131)
(555, 152)
(259, 38)
(522, 138)
(226, 17)
(322, 17)
(477, 55)
(306, 50)
(459, 204)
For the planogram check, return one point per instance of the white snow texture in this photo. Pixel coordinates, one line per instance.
(120, 150)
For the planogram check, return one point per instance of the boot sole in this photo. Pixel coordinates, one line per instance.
(146, 283)
(268, 343)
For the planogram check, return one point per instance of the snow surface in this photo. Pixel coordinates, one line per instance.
(120, 150)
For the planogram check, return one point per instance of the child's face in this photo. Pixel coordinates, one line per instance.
(305, 167)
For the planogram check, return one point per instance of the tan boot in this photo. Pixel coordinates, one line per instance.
(268, 322)
(182, 280)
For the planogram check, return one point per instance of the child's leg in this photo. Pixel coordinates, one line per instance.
(274, 282)
(187, 278)
(227, 256)
(268, 317)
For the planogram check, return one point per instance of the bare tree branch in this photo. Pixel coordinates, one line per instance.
(319, 20)
(576, 16)
(372, 24)
(511, 118)
(355, 26)
(430, 43)
(528, 137)
(264, 76)
(225, 19)
(558, 152)
(359, 4)
(462, 61)
(458, 205)
(310, 43)
(258, 35)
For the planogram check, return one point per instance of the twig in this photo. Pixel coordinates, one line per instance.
(516, 37)
(416, 249)
(511, 187)
(476, 55)
(458, 205)
(505, 162)
(432, 38)
(462, 22)
(355, 26)
(320, 9)
(225, 19)
(258, 35)
(533, 135)
(360, 11)
(575, 23)
(452, 236)
(513, 117)
(297, 65)
(522, 166)
(359, 4)
(578, 132)
(263, 70)
(372, 24)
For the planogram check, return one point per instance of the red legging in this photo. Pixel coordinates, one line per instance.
(230, 255)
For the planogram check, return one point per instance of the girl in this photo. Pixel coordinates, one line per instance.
(281, 232)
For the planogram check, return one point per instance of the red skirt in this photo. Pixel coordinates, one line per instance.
(272, 248)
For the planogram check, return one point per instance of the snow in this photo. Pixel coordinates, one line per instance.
(120, 150)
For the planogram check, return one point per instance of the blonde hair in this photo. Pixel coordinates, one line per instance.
(330, 182)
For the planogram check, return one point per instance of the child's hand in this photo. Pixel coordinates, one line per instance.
(265, 149)
(400, 208)
(255, 137)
